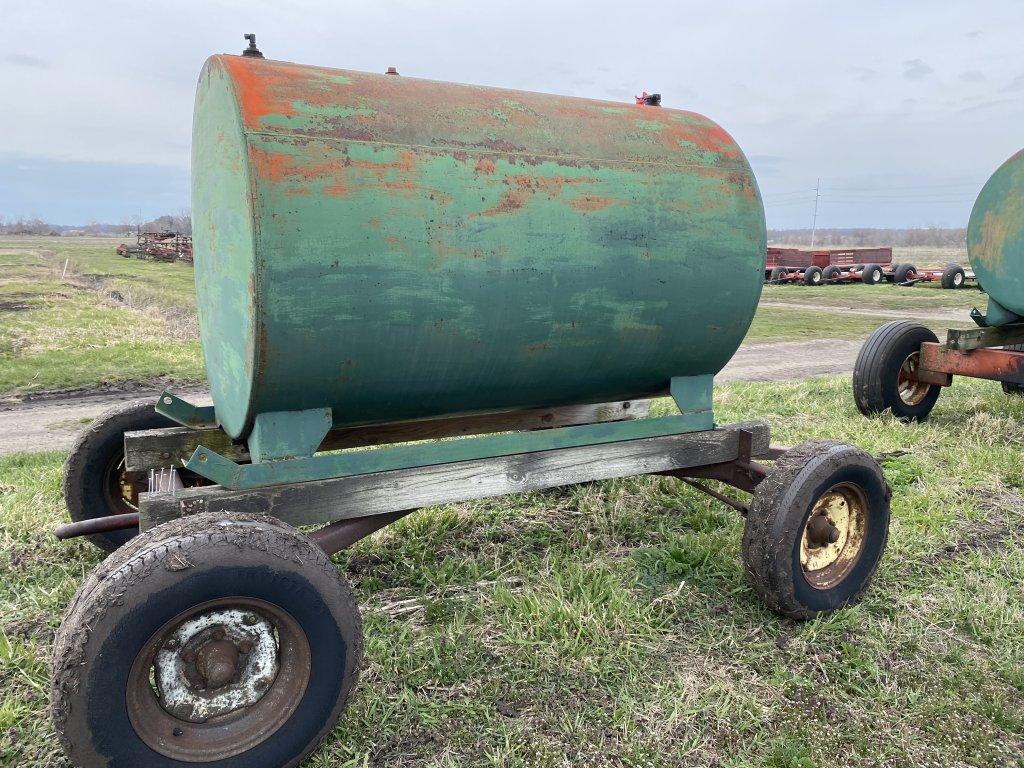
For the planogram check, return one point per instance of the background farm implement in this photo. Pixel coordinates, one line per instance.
(158, 246)
(870, 266)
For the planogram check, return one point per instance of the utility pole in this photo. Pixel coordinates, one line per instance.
(814, 221)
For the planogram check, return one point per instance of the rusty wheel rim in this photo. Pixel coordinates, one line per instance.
(911, 391)
(218, 679)
(833, 536)
(120, 488)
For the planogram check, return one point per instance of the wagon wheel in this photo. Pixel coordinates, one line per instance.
(816, 529)
(95, 481)
(903, 272)
(872, 274)
(884, 374)
(953, 277)
(812, 276)
(229, 640)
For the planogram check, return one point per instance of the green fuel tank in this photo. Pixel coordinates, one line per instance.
(395, 248)
(995, 241)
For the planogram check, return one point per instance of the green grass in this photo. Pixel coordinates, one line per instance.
(795, 324)
(167, 285)
(107, 320)
(611, 624)
(923, 296)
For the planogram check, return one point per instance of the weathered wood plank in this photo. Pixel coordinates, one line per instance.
(342, 498)
(159, 448)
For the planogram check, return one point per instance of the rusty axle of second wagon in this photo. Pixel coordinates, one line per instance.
(939, 363)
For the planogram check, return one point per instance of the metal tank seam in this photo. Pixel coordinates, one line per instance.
(726, 165)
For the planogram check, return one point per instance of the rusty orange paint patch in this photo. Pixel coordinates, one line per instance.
(593, 203)
(258, 86)
(278, 167)
(340, 189)
(485, 165)
(527, 186)
(406, 161)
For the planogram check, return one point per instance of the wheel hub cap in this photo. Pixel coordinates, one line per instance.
(833, 536)
(216, 663)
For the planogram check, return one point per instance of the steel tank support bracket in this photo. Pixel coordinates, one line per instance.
(288, 434)
(184, 413)
(692, 395)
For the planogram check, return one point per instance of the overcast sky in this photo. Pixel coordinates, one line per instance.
(903, 109)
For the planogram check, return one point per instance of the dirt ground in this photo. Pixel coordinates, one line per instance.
(52, 422)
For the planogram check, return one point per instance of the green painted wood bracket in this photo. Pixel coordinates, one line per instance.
(184, 413)
(226, 473)
(288, 434)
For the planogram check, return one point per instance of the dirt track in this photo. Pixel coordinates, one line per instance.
(49, 424)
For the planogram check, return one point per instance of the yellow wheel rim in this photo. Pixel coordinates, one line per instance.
(833, 536)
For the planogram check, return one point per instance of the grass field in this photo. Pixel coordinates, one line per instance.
(772, 323)
(106, 320)
(611, 624)
(121, 322)
(924, 297)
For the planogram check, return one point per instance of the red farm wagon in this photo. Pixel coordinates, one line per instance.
(853, 265)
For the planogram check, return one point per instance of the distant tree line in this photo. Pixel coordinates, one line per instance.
(33, 225)
(939, 237)
(179, 222)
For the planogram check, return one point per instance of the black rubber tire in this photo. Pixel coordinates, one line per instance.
(1009, 387)
(872, 274)
(778, 272)
(97, 447)
(876, 371)
(168, 570)
(953, 277)
(812, 276)
(830, 272)
(775, 523)
(903, 272)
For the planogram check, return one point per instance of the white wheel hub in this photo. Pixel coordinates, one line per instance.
(215, 663)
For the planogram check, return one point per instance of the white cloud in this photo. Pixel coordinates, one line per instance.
(826, 86)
